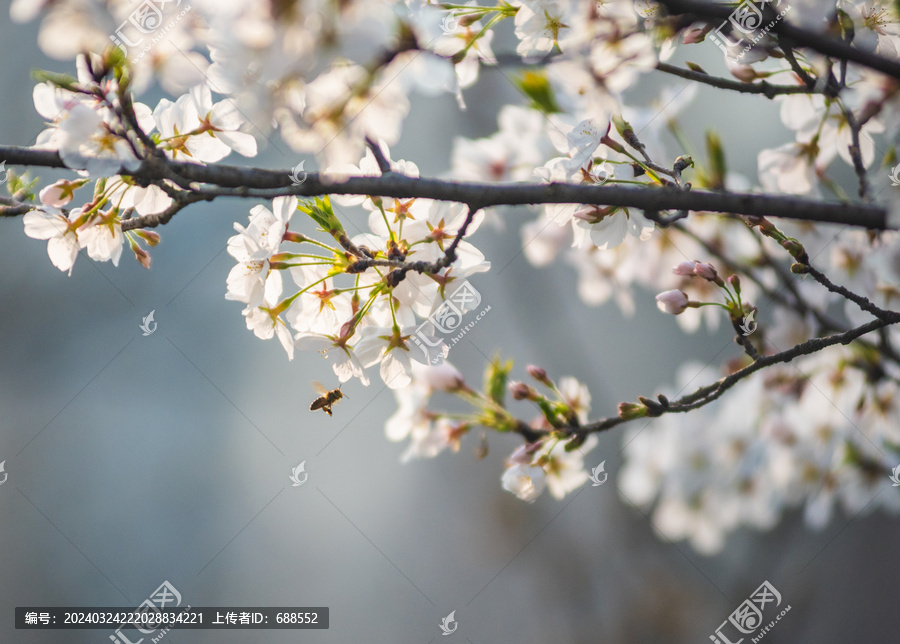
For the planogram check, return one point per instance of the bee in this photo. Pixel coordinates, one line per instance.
(327, 399)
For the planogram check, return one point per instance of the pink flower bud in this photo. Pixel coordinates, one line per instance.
(58, 194)
(148, 236)
(523, 455)
(592, 214)
(444, 377)
(674, 301)
(520, 391)
(695, 35)
(142, 256)
(706, 271)
(743, 73)
(685, 268)
(537, 373)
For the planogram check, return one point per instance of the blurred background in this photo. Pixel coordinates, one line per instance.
(133, 460)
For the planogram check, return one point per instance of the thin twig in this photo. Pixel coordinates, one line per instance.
(764, 88)
(816, 41)
(826, 323)
(10, 207)
(856, 154)
(383, 164)
(862, 302)
(744, 341)
(707, 394)
(792, 60)
(179, 202)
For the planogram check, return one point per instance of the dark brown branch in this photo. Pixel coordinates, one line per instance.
(180, 201)
(792, 61)
(402, 268)
(744, 341)
(460, 234)
(234, 181)
(383, 164)
(787, 279)
(766, 89)
(10, 207)
(705, 395)
(862, 302)
(797, 35)
(856, 154)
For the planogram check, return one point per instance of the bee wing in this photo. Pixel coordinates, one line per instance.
(320, 387)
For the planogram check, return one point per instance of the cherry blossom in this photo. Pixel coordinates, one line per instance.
(345, 363)
(194, 127)
(265, 319)
(389, 347)
(102, 239)
(48, 223)
(253, 246)
(82, 132)
(674, 301)
(539, 24)
(525, 481)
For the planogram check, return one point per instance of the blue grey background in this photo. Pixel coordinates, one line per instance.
(133, 460)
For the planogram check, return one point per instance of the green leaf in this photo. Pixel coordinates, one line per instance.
(695, 67)
(60, 80)
(320, 211)
(716, 155)
(495, 378)
(536, 87)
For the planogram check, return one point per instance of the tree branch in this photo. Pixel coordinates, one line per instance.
(778, 295)
(856, 154)
(705, 395)
(862, 302)
(234, 181)
(798, 36)
(12, 208)
(383, 164)
(764, 88)
(402, 268)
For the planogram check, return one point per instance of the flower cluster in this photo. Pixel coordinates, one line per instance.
(354, 299)
(676, 301)
(552, 459)
(99, 131)
(814, 435)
